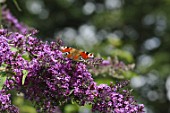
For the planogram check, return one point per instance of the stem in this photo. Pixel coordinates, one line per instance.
(16, 4)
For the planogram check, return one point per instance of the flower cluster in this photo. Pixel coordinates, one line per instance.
(109, 100)
(41, 72)
(113, 68)
(5, 104)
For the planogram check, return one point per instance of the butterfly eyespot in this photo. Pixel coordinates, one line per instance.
(66, 53)
(62, 47)
(90, 55)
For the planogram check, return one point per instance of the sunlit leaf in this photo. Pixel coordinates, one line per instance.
(25, 73)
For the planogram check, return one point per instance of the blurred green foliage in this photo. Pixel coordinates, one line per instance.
(134, 30)
(25, 106)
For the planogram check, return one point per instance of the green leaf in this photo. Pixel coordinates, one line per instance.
(14, 49)
(27, 109)
(2, 80)
(70, 109)
(103, 81)
(2, 74)
(26, 56)
(25, 73)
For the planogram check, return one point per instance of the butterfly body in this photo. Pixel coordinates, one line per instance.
(75, 54)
